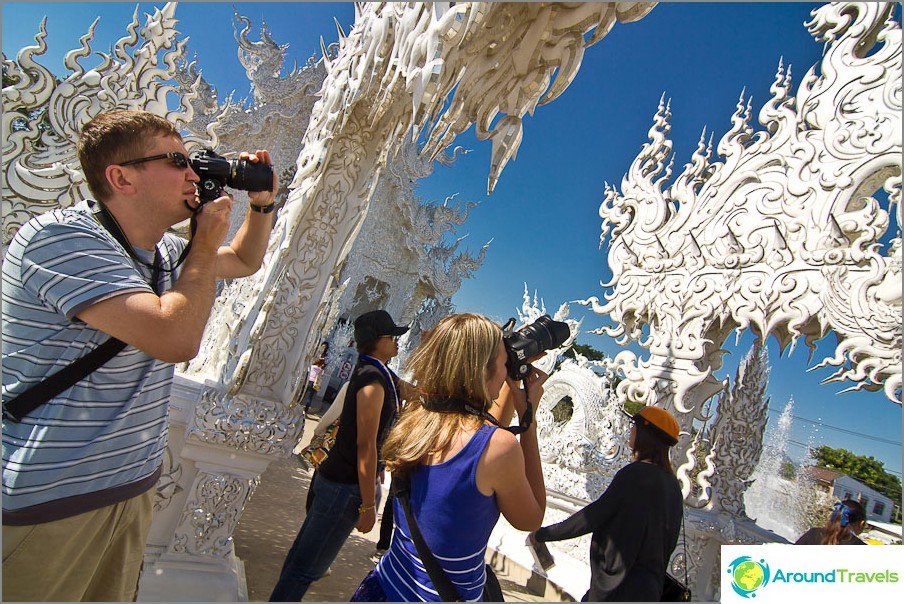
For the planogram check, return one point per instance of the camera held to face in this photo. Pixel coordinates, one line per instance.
(529, 341)
(217, 172)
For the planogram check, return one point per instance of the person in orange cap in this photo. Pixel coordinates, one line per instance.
(636, 521)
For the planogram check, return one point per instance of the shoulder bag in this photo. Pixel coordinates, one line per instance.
(673, 590)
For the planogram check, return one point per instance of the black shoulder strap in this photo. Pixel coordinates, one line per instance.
(401, 488)
(26, 402)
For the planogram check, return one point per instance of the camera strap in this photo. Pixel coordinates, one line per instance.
(102, 215)
(453, 404)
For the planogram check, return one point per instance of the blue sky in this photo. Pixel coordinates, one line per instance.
(543, 215)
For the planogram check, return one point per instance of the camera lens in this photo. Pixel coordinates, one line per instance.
(251, 177)
(543, 334)
(548, 333)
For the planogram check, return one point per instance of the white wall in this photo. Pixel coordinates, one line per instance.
(846, 487)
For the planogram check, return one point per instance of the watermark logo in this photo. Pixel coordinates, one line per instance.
(748, 575)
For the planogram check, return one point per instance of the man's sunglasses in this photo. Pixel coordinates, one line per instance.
(179, 160)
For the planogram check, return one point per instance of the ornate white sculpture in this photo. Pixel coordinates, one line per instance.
(782, 237)
(388, 79)
(737, 438)
(403, 246)
(42, 117)
(579, 426)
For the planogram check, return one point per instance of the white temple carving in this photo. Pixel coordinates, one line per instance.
(781, 237)
(42, 117)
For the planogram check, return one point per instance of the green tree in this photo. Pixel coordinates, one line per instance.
(787, 470)
(588, 351)
(867, 470)
(9, 79)
(633, 407)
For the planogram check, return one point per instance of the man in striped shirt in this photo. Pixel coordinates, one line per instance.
(79, 471)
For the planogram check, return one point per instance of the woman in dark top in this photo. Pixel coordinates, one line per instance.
(635, 522)
(344, 485)
(846, 522)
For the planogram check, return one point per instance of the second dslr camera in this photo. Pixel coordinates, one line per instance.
(529, 341)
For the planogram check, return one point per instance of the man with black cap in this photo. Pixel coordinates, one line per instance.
(344, 485)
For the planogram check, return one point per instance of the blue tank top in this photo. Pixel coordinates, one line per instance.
(456, 520)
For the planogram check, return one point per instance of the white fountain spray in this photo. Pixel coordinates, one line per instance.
(772, 501)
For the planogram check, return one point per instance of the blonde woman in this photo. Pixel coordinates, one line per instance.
(462, 468)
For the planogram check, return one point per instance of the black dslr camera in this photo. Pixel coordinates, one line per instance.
(529, 341)
(217, 172)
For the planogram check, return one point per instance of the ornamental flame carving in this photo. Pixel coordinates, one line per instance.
(737, 441)
(398, 70)
(42, 116)
(782, 236)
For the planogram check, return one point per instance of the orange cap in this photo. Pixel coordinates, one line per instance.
(661, 421)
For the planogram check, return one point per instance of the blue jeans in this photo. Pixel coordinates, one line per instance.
(308, 398)
(329, 522)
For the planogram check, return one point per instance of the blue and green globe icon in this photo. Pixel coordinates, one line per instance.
(748, 575)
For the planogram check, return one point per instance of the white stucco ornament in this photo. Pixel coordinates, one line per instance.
(781, 236)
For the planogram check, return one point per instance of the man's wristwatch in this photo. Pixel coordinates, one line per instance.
(261, 209)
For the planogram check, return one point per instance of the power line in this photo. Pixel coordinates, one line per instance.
(807, 446)
(844, 430)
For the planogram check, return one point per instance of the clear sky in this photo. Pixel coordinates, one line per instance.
(543, 215)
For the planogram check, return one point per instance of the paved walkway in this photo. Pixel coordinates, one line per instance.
(271, 520)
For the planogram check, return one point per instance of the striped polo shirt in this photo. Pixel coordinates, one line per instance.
(101, 441)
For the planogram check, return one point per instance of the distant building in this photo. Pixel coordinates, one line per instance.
(840, 486)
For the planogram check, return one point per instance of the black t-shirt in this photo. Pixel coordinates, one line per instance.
(341, 465)
(635, 526)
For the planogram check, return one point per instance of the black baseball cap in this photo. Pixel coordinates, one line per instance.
(374, 324)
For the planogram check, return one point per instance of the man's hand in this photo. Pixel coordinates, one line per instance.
(213, 223)
(367, 520)
(261, 198)
(245, 253)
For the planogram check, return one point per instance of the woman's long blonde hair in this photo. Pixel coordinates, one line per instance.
(454, 360)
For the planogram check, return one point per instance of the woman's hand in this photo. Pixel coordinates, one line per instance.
(533, 382)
